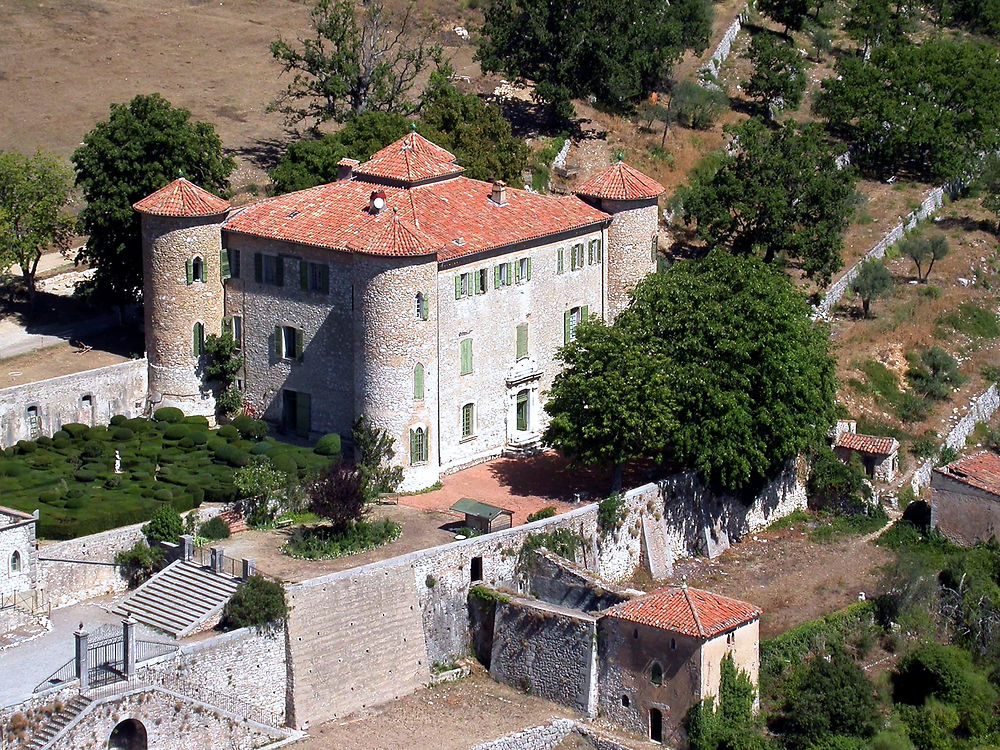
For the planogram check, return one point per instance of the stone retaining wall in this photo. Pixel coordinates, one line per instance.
(548, 736)
(725, 45)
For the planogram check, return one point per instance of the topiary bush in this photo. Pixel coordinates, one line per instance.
(83, 475)
(258, 602)
(118, 420)
(26, 446)
(228, 431)
(122, 434)
(75, 429)
(60, 435)
(97, 433)
(165, 525)
(198, 437)
(175, 432)
(285, 462)
(197, 419)
(44, 442)
(214, 529)
(232, 455)
(163, 494)
(168, 414)
(249, 428)
(328, 445)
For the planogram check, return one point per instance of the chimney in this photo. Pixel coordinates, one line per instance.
(376, 201)
(345, 169)
(499, 193)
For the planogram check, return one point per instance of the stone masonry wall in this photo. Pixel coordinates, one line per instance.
(116, 389)
(555, 580)
(17, 534)
(722, 49)
(547, 651)
(549, 736)
(629, 252)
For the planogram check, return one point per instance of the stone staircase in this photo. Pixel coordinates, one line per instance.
(235, 521)
(57, 722)
(523, 449)
(179, 599)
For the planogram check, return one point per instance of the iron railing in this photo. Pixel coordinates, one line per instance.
(146, 649)
(106, 661)
(65, 673)
(231, 567)
(26, 601)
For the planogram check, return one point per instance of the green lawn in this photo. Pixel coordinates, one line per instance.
(70, 477)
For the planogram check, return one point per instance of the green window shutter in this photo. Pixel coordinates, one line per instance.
(189, 267)
(303, 413)
(510, 273)
(653, 247)
(496, 277)
(600, 249)
(475, 279)
(522, 341)
(466, 355)
(324, 278)
(277, 342)
(584, 314)
(458, 285)
(258, 267)
(423, 307)
(590, 253)
(418, 381)
(299, 343)
(194, 341)
(566, 318)
(280, 262)
(304, 275)
(559, 265)
(517, 272)
(529, 269)
(224, 272)
(227, 325)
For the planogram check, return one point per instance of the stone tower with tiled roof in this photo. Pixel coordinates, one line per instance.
(182, 290)
(631, 198)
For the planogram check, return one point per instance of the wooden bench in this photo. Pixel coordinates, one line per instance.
(282, 523)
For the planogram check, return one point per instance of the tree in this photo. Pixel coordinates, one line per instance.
(749, 374)
(257, 603)
(923, 248)
(789, 13)
(223, 365)
(930, 109)
(729, 725)
(139, 563)
(34, 192)
(838, 486)
(695, 106)
(778, 193)
(165, 525)
(142, 146)
(337, 495)
(556, 45)
(990, 182)
(778, 74)
(873, 281)
(351, 66)
(373, 454)
(257, 484)
(870, 22)
(934, 373)
(610, 403)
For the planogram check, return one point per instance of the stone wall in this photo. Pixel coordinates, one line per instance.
(170, 721)
(17, 536)
(116, 389)
(725, 45)
(555, 580)
(548, 651)
(548, 736)
(630, 249)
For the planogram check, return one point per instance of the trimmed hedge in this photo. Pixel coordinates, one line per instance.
(328, 445)
(168, 414)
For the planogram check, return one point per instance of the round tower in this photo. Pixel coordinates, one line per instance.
(182, 291)
(631, 199)
(395, 283)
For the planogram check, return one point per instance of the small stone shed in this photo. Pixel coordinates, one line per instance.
(965, 498)
(17, 551)
(482, 517)
(880, 455)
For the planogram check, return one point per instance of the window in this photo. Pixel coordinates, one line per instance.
(673, 644)
(468, 421)
(523, 409)
(288, 342)
(521, 351)
(731, 638)
(34, 422)
(418, 381)
(198, 343)
(314, 277)
(86, 401)
(229, 263)
(594, 252)
(654, 248)
(421, 306)
(656, 674)
(571, 319)
(269, 269)
(560, 265)
(503, 275)
(476, 569)
(237, 330)
(195, 270)
(577, 256)
(15, 562)
(465, 349)
(418, 446)
(522, 271)
(470, 283)
(625, 701)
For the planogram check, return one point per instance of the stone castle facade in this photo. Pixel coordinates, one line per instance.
(429, 302)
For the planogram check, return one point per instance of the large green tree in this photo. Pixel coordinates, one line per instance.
(612, 401)
(990, 183)
(789, 13)
(776, 193)
(34, 192)
(354, 62)
(930, 109)
(778, 77)
(616, 52)
(141, 147)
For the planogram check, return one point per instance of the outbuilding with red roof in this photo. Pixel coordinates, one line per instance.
(965, 498)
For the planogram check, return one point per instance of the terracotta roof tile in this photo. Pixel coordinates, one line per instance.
(871, 444)
(980, 470)
(181, 198)
(680, 609)
(411, 159)
(394, 236)
(620, 182)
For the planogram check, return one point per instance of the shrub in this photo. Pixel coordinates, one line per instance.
(197, 419)
(285, 462)
(92, 450)
(26, 446)
(215, 528)
(838, 486)
(698, 107)
(250, 428)
(611, 512)
(175, 432)
(44, 442)
(122, 434)
(228, 431)
(197, 494)
(163, 494)
(262, 448)
(338, 496)
(232, 455)
(97, 433)
(327, 542)
(198, 437)
(84, 475)
(60, 435)
(75, 429)
(139, 563)
(933, 373)
(546, 512)
(164, 525)
(328, 445)
(221, 493)
(137, 424)
(168, 414)
(118, 420)
(258, 602)
(48, 496)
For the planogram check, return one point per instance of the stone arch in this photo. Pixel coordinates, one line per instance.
(656, 673)
(198, 269)
(128, 735)
(15, 562)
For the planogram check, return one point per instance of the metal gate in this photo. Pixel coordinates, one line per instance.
(106, 661)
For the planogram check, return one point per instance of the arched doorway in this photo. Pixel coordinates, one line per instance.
(128, 735)
(655, 725)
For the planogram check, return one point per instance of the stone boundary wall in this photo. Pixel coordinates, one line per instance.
(115, 389)
(67, 583)
(548, 736)
(397, 617)
(981, 409)
(724, 47)
(555, 580)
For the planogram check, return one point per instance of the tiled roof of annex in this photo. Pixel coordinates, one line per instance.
(181, 198)
(980, 470)
(872, 444)
(620, 182)
(453, 215)
(681, 609)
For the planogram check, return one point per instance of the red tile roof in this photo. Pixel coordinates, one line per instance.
(620, 182)
(680, 609)
(980, 470)
(181, 198)
(453, 216)
(871, 444)
(411, 159)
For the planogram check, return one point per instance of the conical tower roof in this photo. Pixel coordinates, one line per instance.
(181, 198)
(620, 182)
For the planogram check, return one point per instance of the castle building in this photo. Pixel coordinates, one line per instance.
(432, 303)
